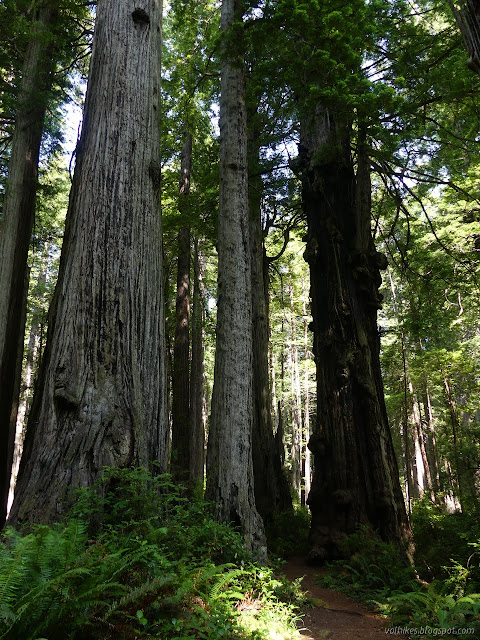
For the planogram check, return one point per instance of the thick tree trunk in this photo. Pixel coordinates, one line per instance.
(198, 410)
(229, 456)
(16, 229)
(355, 479)
(101, 393)
(181, 426)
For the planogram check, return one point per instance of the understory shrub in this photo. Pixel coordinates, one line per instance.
(287, 535)
(136, 559)
(375, 573)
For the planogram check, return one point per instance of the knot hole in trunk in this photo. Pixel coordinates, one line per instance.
(141, 17)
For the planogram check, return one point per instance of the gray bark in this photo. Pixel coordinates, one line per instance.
(229, 456)
(17, 223)
(101, 393)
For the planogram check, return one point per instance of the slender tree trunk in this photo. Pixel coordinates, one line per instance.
(181, 425)
(229, 457)
(101, 393)
(306, 462)
(431, 443)
(454, 422)
(423, 459)
(197, 380)
(17, 223)
(272, 494)
(297, 423)
(355, 479)
(28, 375)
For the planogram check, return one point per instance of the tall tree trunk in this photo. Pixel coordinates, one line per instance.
(101, 393)
(272, 494)
(16, 229)
(297, 424)
(306, 462)
(181, 426)
(355, 479)
(198, 413)
(431, 442)
(229, 456)
(32, 357)
(421, 452)
(454, 421)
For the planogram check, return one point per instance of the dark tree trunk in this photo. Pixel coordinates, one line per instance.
(355, 480)
(198, 409)
(17, 223)
(272, 493)
(101, 393)
(32, 357)
(467, 17)
(181, 426)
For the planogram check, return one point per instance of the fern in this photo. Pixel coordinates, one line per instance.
(222, 581)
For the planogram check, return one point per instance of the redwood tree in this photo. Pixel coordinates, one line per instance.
(229, 459)
(100, 398)
(181, 426)
(17, 222)
(355, 480)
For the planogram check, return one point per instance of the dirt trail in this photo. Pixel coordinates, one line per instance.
(341, 618)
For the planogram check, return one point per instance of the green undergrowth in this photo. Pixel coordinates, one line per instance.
(135, 559)
(287, 535)
(450, 600)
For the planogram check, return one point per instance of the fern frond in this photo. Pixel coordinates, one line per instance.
(223, 580)
(135, 595)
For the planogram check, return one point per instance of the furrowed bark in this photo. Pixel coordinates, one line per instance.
(101, 393)
(355, 480)
(229, 456)
(16, 229)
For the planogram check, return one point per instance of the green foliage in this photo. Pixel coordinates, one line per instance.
(288, 533)
(373, 569)
(375, 573)
(135, 559)
(447, 545)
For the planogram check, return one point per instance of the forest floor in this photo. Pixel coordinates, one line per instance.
(336, 616)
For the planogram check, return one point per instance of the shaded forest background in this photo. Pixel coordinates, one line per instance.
(398, 83)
